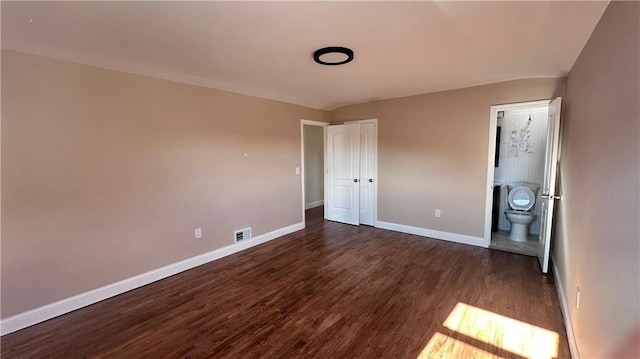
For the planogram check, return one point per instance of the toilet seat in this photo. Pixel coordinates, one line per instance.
(521, 198)
(519, 212)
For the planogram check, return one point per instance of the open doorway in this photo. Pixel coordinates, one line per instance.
(312, 174)
(519, 166)
(523, 155)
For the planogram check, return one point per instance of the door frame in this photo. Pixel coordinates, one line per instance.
(375, 165)
(304, 122)
(493, 124)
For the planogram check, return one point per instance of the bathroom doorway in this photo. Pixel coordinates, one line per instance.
(522, 157)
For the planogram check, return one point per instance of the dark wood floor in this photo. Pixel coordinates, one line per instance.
(329, 291)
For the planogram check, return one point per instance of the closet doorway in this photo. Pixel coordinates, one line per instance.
(351, 173)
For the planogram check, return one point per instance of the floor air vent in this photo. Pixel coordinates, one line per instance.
(242, 235)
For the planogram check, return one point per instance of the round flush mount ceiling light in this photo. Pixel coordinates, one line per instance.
(333, 55)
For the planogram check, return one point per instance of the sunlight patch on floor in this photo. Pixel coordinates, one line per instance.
(497, 331)
(444, 347)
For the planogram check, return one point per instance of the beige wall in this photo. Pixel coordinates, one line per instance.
(433, 148)
(313, 163)
(597, 239)
(106, 174)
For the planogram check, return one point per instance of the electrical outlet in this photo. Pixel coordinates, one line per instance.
(577, 297)
(438, 213)
(198, 233)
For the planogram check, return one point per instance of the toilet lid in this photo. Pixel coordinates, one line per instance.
(521, 198)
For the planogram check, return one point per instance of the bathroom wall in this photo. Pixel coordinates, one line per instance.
(522, 150)
(313, 165)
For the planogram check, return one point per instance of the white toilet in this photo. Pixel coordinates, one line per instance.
(521, 198)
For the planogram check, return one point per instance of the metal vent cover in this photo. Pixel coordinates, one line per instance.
(242, 235)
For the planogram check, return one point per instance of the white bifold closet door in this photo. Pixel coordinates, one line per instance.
(367, 173)
(350, 170)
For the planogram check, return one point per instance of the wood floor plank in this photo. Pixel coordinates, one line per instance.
(328, 291)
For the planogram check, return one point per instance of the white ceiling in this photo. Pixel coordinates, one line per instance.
(265, 49)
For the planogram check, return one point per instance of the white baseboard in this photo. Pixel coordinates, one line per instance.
(40, 314)
(564, 306)
(447, 236)
(313, 204)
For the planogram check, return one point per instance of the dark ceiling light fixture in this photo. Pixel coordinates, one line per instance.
(333, 55)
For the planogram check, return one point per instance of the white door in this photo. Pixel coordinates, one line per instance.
(342, 191)
(548, 193)
(367, 173)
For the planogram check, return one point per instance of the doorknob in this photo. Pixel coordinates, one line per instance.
(547, 196)
(371, 180)
(355, 180)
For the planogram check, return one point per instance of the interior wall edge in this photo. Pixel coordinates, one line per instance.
(429, 148)
(596, 231)
(120, 65)
(314, 204)
(431, 233)
(110, 173)
(564, 306)
(55, 309)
